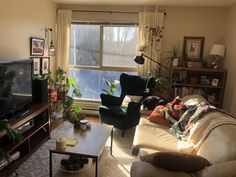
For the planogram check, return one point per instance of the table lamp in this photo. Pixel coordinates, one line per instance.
(218, 51)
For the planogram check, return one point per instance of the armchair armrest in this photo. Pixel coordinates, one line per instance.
(133, 112)
(108, 100)
(133, 108)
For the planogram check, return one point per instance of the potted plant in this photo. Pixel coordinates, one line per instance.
(111, 86)
(62, 84)
(171, 56)
(5, 125)
(163, 86)
(142, 46)
(69, 99)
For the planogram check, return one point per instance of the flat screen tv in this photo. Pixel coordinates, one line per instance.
(15, 86)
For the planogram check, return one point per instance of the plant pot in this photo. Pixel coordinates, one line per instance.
(175, 62)
(53, 96)
(77, 124)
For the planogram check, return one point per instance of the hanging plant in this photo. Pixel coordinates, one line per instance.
(155, 36)
(142, 46)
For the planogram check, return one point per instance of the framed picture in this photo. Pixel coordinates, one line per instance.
(205, 81)
(214, 82)
(36, 66)
(36, 46)
(193, 48)
(45, 65)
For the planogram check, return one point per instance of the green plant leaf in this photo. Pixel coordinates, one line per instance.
(71, 82)
(107, 82)
(77, 109)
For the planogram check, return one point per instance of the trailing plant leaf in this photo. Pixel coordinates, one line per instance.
(4, 155)
(5, 125)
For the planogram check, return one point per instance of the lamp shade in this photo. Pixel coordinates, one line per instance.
(218, 50)
(139, 59)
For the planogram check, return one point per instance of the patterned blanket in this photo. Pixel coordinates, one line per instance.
(196, 123)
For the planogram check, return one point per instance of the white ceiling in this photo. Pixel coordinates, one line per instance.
(210, 3)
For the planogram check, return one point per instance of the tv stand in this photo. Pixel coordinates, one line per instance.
(32, 138)
(22, 113)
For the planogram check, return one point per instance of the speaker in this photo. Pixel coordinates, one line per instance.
(40, 91)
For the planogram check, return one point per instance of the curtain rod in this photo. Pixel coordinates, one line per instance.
(123, 12)
(105, 11)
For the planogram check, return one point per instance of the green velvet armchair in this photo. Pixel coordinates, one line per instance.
(111, 110)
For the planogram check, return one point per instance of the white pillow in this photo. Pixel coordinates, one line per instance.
(130, 98)
(193, 99)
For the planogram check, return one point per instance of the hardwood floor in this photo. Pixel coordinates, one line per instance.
(92, 119)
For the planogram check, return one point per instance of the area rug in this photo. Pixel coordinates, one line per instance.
(118, 164)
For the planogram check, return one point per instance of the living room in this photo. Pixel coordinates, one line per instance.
(213, 20)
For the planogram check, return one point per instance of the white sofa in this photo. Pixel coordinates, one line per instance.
(219, 148)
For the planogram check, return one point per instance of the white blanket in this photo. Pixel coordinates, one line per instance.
(201, 129)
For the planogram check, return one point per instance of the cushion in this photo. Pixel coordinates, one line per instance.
(190, 100)
(158, 116)
(151, 102)
(130, 98)
(144, 111)
(176, 161)
(176, 108)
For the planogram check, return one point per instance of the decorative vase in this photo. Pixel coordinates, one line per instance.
(175, 62)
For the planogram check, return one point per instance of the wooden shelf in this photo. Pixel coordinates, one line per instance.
(197, 85)
(32, 138)
(198, 69)
(182, 77)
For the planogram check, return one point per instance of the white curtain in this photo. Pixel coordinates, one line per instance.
(63, 38)
(149, 19)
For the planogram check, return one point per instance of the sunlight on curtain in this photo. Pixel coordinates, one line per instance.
(63, 38)
(149, 19)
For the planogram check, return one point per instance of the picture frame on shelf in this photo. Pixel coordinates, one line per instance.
(45, 65)
(193, 48)
(205, 81)
(36, 65)
(214, 82)
(36, 46)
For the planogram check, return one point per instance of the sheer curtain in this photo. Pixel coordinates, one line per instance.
(149, 19)
(63, 38)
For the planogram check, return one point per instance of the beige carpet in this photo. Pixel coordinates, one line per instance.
(117, 165)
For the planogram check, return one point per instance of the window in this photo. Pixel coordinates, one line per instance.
(97, 52)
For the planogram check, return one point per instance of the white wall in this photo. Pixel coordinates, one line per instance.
(230, 62)
(194, 21)
(20, 20)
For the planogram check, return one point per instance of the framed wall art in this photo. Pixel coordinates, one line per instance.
(45, 67)
(36, 66)
(215, 82)
(36, 46)
(193, 48)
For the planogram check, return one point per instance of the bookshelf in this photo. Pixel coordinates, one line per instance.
(210, 83)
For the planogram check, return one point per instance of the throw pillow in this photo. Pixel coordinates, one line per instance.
(175, 161)
(190, 100)
(158, 116)
(145, 111)
(130, 98)
(176, 108)
(151, 102)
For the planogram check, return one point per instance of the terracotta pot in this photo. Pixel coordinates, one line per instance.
(53, 96)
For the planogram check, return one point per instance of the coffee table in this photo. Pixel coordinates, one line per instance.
(90, 144)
